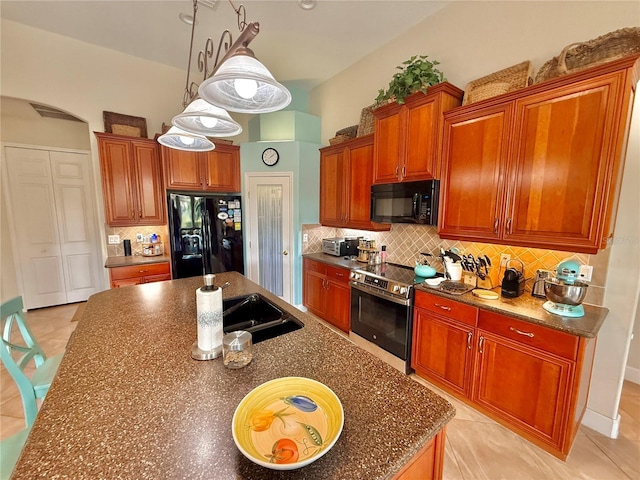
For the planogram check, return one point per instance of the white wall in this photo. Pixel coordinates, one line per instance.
(84, 80)
(471, 40)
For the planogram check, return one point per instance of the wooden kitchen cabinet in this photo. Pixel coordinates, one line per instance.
(214, 171)
(138, 274)
(131, 180)
(408, 138)
(326, 293)
(530, 378)
(345, 185)
(444, 335)
(540, 167)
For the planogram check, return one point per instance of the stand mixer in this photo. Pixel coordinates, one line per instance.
(565, 292)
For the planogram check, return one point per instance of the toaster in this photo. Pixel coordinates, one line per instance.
(340, 247)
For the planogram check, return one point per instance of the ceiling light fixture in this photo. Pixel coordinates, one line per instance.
(307, 4)
(183, 140)
(237, 82)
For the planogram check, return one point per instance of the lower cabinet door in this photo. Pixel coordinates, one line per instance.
(314, 291)
(442, 350)
(526, 386)
(338, 305)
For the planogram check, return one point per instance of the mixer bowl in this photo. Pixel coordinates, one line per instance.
(563, 293)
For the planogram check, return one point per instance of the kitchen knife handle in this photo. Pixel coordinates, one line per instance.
(469, 336)
(495, 225)
(519, 332)
(443, 307)
(481, 345)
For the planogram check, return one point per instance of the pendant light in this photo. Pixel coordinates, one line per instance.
(183, 140)
(242, 84)
(203, 118)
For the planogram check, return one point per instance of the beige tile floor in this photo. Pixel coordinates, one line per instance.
(476, 448)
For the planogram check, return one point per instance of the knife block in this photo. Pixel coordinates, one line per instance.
(487, 283)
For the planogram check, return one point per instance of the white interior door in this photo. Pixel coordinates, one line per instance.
(53, 225)
(269, 230)
(76, 222)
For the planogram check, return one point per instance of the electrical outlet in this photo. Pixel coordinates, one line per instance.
(504, 259)
(138, 237)
(305, 237)
(585, 273)
(114, 239)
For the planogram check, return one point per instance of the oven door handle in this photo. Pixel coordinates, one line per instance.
(379, 294)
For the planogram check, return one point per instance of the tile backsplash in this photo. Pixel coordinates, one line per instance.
(405, 242)
(130, 233)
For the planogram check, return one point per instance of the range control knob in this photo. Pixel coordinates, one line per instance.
(354, 276)
(403, 290)
(396, 289)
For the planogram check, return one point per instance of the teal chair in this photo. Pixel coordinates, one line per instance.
(10, 449)
(16, 356)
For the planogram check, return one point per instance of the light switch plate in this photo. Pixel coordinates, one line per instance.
(585, 273)
(138, 237)
(114, 239)
(305, 237)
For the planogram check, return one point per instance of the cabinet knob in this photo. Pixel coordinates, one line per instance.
(509, 225)
(469, 336)
(480, 345)
(140, 214)
(133, 214)
(285, 253)
(496, 223)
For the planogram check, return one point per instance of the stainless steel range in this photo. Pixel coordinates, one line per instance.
(382, 307)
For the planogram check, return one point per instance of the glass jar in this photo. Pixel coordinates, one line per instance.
(237, 349)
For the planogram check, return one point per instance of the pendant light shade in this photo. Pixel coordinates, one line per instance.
(243, 84)
(202, 118)
(183, 140)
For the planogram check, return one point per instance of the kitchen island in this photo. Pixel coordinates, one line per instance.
(129, 401)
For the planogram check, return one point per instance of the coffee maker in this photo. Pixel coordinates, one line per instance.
(513, 280)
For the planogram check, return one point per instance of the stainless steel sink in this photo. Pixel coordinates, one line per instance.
(254, 313)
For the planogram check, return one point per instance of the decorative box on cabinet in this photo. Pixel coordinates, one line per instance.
(346, 172)
(326, 293)
(408, 138)
(530, 378)
(131, 180)
(539, 167)
(214, 171)
(138, 274)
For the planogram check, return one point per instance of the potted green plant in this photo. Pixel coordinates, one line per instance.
(416, 74)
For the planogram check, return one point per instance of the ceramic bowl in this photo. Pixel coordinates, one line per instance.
(425, 271)
(287, 423)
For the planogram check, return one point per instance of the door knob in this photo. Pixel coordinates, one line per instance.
(285, 253)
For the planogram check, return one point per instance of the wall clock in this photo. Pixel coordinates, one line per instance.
(270, 157)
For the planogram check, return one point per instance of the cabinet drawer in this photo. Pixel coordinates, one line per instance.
(338, 274)
(118, 273)
(547, 339)
(447, 308)
(314, 266)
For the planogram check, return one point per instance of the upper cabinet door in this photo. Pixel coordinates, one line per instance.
(561, 163)
(150, 194)
(472, 188)
(421, 154)
(222, 169)
(390, 126)
(332, 191)
(117, 181)
(359, 187)
(182, 169)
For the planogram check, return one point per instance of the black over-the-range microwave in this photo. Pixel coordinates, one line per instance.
(408, 202)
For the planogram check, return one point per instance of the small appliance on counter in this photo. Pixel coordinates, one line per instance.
(513, 280)
(537, 290)
(340, 247)
(565, 292)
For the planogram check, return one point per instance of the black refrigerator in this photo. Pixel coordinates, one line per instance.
(205, 233)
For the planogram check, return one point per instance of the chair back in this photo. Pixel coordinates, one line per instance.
(17, 348)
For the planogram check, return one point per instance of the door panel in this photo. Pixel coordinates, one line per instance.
(76, 217)
(269, 229)
(33, 205)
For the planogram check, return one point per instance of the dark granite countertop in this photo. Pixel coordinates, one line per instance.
(112, 262)
(129, 401)
(525, 307)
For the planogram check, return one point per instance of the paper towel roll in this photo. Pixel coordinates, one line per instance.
(209, 308)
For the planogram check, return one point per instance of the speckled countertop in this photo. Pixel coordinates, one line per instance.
(112, 262)
(129, 401)
(525, 307)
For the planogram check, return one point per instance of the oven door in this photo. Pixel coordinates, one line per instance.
(382, 319)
